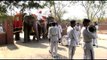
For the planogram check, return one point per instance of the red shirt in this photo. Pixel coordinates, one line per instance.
(17, 24)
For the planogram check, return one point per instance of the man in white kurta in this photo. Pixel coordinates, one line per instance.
(87, 38)
(53, 35)
(60, 31)
(74, 41)
(95, 43)
(68, 31)
(78, 29)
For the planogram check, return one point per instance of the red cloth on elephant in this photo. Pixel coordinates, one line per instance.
(44, 18)
(17, 24)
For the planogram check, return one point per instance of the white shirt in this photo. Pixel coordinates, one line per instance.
(96, 27)
(39, 16)
(82, 29)
(51, 31)
(60, 27)
(73, 37)
(78, 28)
(68, 29)
(59, 31)
(78, 31)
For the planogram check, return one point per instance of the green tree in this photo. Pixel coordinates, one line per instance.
(3, 9)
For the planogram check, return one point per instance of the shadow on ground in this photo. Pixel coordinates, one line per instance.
(62, 57)
(60, 48)
(34, 44)
(102, 47)
(12, 46)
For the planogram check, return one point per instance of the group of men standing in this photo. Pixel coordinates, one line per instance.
(74, 32)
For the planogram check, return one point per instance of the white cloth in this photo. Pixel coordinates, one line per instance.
(97, 27)
(60, 31)
(73, 37)
(39, 17)
(82, 29)
(73, 42)
(95, 40)
(68, 31)
(88, 51)
(88, 48)
(1, 29)
(78, 31)
(71, 51)
(60, 27)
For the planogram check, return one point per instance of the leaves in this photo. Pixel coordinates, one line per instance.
(93, 8)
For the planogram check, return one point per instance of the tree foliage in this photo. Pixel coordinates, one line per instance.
(57, 7)
(94, 9)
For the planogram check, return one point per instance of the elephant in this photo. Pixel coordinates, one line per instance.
(28, 23)
(35, 27)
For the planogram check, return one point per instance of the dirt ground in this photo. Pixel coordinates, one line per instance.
(40, 50)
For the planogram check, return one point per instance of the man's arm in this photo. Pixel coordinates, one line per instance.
(91, 35)
(49, 33)
(70, 34)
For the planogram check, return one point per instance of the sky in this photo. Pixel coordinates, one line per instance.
(76, 12)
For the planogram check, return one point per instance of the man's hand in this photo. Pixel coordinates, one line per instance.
(49, 40)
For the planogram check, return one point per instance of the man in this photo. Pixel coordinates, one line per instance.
(17, 27)
(73, 37)
(87, 38)
(95, 40)
(68, 31)
(60, 31)
(35, 28)
(53, 35)
(78, 29)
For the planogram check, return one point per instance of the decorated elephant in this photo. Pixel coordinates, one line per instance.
(35, 27)
(28, 23)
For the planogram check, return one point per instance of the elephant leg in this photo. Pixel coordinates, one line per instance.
(44, 32)
(39, 32)
(26, 37)
(29, 29)
(34, 36)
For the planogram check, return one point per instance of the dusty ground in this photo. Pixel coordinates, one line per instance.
(40, 50)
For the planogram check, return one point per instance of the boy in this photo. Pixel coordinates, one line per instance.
(87, 38)
(95, 43)
(60, 31)
(73, 37)
(53, 35)
(78, 29)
